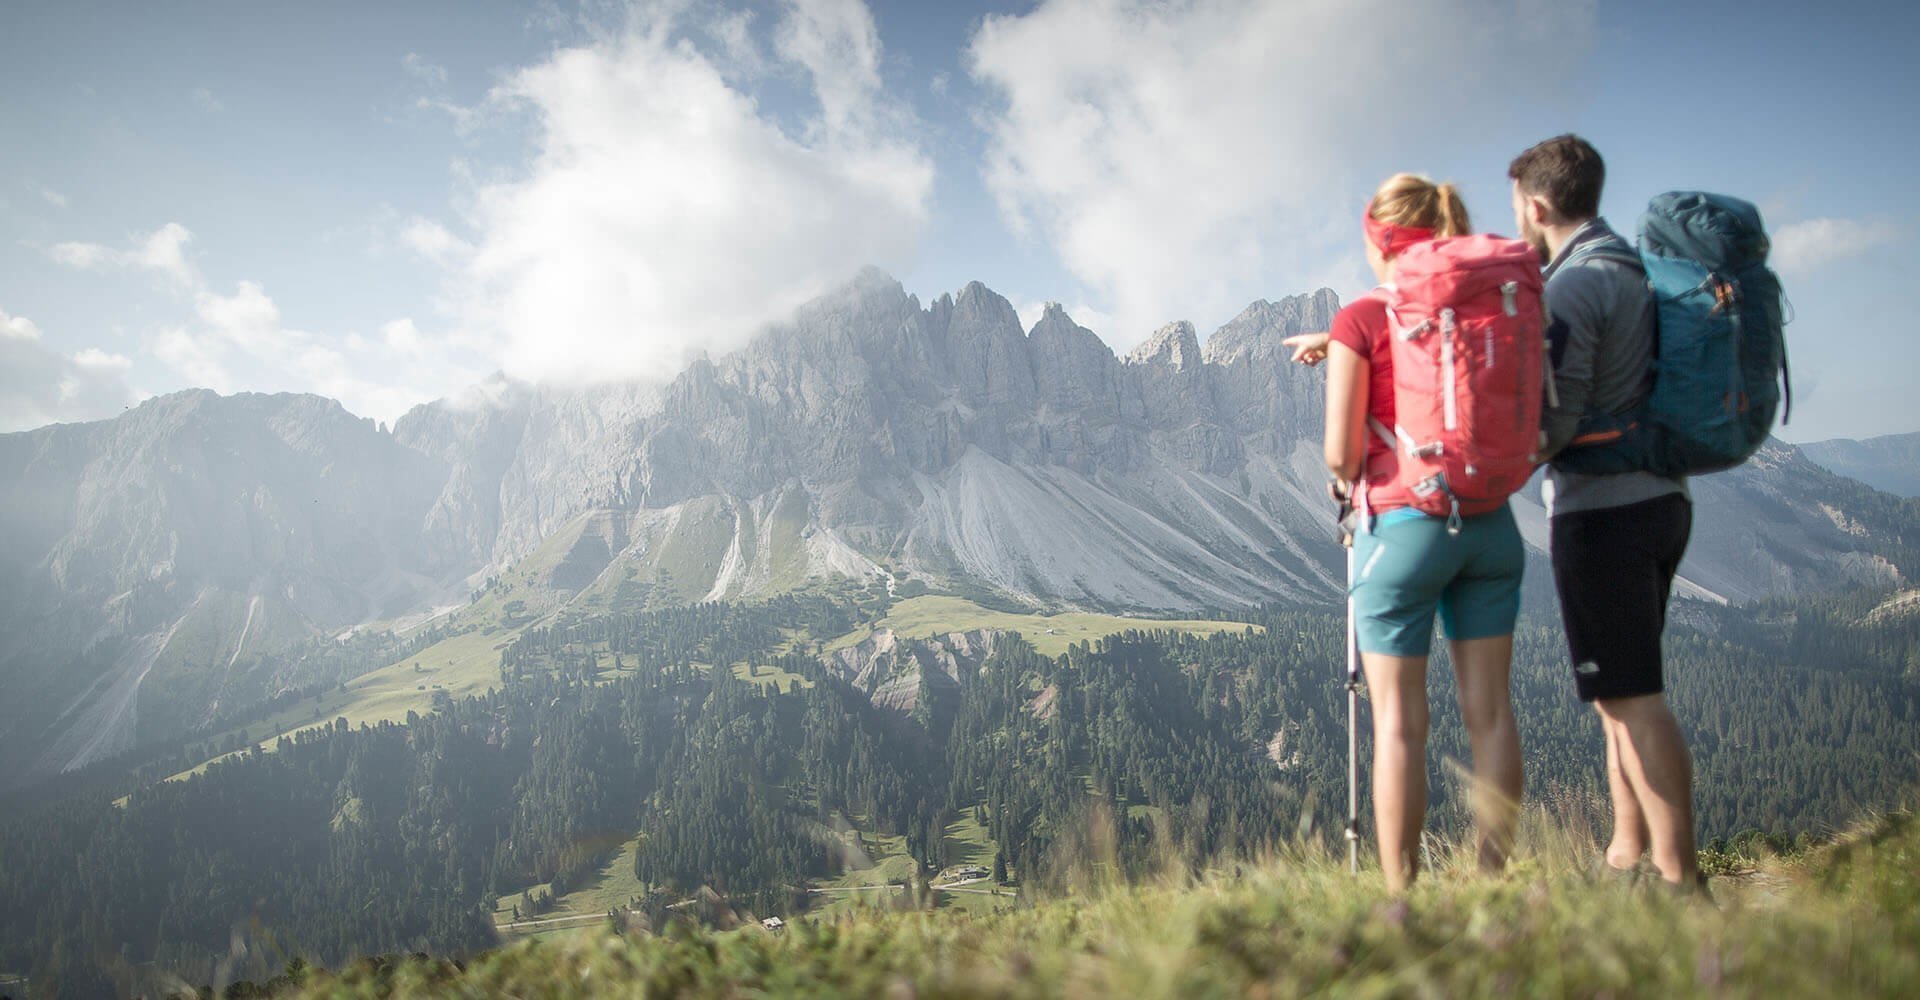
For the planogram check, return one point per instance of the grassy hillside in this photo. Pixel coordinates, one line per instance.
(884, 867)
(613, 886)
(1842, 920)
(933, 614)
(462, 665)
(467, 663)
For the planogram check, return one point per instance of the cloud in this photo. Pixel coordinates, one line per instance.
(434, 241)
(162, 251)
(665, 212)
(434, 78)
(54, 198)
(238, 340)
(241, 336)
(739, 50)
(1800, 248)
(93, 359)
(403, 338)
(1176, 154)
(427, 72)
(40, 386)
(836, 42)
(465, 119)
(196, 356)
(17, 328)
(247, 317)
(82, 255)
(204, 98)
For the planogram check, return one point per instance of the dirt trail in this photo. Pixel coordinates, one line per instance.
(571, 918)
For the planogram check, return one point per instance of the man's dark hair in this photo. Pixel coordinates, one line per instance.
(1565, 170)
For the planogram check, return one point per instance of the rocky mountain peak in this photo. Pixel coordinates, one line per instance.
(982, 306)
(987, 348)
(1262, 325)
(1174, 345)
(870, 293)
(1055, 324)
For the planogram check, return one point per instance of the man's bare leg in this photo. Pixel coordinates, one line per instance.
(1629, 823)
(1659, 774)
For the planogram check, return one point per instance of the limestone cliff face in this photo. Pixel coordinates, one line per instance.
(948, 441)
(258, 517)
(896, 673)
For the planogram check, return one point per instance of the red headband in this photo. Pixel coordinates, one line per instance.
(1389, 238)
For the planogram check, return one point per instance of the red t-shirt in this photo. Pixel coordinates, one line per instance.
(1362, 327)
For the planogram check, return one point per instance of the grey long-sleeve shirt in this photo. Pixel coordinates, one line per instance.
(1600, 327)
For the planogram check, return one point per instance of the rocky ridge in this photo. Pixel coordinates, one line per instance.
(868, 434)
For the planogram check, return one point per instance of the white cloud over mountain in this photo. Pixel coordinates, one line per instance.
(1173, 153)
(238, 341)
(40, 385)
(666, 211)
(163, 251)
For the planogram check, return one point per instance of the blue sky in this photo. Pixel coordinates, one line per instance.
(385, 203)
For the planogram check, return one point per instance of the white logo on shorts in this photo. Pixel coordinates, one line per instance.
(1586, 667)
(1367, 570)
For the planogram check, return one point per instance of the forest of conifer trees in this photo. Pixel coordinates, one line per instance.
(1159, 745)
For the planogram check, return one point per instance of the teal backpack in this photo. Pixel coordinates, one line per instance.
(1720, 373)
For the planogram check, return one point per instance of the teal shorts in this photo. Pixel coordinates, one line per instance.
(1408, 566)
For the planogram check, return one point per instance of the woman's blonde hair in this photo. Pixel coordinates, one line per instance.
(1416, 201)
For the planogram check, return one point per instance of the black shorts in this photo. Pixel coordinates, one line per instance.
(1614, 571)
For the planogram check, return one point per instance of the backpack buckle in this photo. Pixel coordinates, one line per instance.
(1726, 294)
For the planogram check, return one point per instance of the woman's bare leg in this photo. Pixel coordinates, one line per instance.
(1482, 669)
(1397, 694)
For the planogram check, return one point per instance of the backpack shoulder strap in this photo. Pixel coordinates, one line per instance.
(1609, 250)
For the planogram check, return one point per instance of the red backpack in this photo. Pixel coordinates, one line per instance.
(1467, 329)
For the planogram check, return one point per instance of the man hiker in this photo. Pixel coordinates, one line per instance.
(1616, 539)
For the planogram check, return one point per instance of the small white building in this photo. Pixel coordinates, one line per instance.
(773, 923)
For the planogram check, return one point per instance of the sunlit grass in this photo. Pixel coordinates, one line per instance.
(1842, 921)
(933, 614)
(463, 665)
(967, 842)
(613, 886)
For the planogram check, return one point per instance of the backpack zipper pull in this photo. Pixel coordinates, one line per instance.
(1509, 298)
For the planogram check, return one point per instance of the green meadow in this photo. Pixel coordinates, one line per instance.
(1840, 920)
(935, 614)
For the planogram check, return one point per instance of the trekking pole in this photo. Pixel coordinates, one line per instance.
(1344, 494)
(1353, 733)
